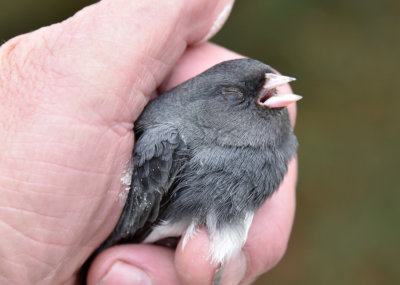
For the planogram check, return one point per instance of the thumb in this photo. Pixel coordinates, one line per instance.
(62, 88)
(121, 47)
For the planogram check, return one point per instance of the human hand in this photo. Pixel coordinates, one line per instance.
(69, 95)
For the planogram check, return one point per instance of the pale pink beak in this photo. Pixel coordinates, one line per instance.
(270, 98)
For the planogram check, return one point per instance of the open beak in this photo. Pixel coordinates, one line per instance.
(269, 96)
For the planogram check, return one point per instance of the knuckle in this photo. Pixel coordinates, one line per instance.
(19, 62)
(28, 58)
(26, 70)
(10, 64)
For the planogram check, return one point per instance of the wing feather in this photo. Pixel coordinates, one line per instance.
(156, 165)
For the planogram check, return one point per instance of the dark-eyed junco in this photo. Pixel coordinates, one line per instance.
(208, 153)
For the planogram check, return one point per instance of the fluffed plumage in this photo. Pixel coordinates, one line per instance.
(208, 153)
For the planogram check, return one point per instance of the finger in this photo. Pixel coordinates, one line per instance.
(194, 266)
(134, 264)
(117, 46)
(192, 262)
(269, 234)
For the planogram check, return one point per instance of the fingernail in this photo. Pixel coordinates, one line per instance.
(123, 273)
(235, 270)
(219, 22)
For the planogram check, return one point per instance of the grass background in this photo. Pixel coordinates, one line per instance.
(345, 55)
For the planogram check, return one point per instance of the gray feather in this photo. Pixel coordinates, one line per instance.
(156, 163)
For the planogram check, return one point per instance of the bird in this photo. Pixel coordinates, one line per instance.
(208, 153)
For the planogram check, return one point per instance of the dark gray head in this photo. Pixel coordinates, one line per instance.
(233, 101)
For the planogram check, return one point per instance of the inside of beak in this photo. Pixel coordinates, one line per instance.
(269, 96)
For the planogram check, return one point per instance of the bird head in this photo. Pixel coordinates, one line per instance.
(245, 82)
(237, 101)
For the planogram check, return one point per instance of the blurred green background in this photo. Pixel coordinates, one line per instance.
(345, 55)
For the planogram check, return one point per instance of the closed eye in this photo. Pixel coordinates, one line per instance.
(232, 94)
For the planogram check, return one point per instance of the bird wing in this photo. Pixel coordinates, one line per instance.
(156, 164)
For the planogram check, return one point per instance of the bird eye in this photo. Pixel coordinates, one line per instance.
(232, 94)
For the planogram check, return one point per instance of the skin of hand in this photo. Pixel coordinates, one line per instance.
(69, 94)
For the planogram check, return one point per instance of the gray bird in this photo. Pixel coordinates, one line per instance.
(208, 153)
